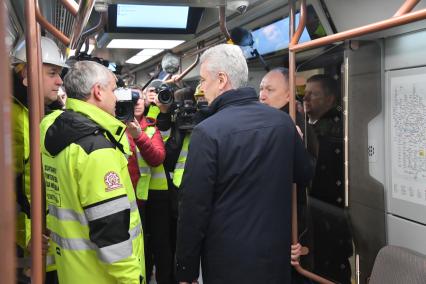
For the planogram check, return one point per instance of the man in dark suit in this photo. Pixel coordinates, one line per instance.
(235, 203)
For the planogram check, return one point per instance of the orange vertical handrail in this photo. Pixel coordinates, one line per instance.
(34, 109)
(41, 114)
(295, 36)
(7, 200)
(302, 23)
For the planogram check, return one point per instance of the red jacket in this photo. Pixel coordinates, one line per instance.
(151, 149)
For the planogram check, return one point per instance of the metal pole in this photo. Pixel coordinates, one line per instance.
(84, 10)
(34, 109)
(185, 72)
(222, 23)
(98, 27)
(292, 69)
(41, 110)
(292, 85)
(7, 200)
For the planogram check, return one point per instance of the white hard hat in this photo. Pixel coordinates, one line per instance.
(51, 54)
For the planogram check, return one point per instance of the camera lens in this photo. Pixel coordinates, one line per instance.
(165, 95)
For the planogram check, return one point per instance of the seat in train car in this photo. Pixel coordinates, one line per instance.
(397, 265)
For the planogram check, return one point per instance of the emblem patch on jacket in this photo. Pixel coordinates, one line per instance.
(112, 181)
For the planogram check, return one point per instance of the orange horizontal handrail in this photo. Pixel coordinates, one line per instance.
(371, 28)
(51, 28)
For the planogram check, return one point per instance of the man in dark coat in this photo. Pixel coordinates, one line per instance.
(235, 203)
(274, 91)
(332, 240)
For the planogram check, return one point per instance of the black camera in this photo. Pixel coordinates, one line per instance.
(125, 105)
(184, 114)
(165, 94)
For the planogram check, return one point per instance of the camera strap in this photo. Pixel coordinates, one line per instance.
(115, 142)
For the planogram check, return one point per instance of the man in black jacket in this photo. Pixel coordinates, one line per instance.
(274, 91)
(332, 240)
(235, 202)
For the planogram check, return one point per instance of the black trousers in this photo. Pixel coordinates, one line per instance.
(158, 247)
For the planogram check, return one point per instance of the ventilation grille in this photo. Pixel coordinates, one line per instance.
(62, 20)
(372, 153)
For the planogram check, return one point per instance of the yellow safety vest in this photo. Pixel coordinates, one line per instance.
(21, 146)
(144, 170)
(180, 165)
(158, 175)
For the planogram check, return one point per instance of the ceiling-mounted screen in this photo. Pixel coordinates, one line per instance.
(150, 16)
(273, 37)
(155, 19)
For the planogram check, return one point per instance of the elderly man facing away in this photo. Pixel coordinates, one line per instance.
(235, 203)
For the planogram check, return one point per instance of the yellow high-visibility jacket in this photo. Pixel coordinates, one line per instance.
(95, 223)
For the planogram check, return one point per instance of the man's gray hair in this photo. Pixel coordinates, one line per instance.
(81, 78)
(229, 59)
(284, 71)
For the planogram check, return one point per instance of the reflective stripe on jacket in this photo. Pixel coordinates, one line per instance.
(158, 175)
(144, 169)
(180, 165)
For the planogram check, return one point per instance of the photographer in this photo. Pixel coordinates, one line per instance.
(148, 178)
(179, 119)
(152, 187)
(147, 147)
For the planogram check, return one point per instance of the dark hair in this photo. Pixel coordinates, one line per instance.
(328, 83)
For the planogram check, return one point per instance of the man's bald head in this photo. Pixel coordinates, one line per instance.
(274, 88)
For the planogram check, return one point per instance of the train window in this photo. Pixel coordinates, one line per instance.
(324, 225)
(112, 66)
(13, 29)
(273, 37)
